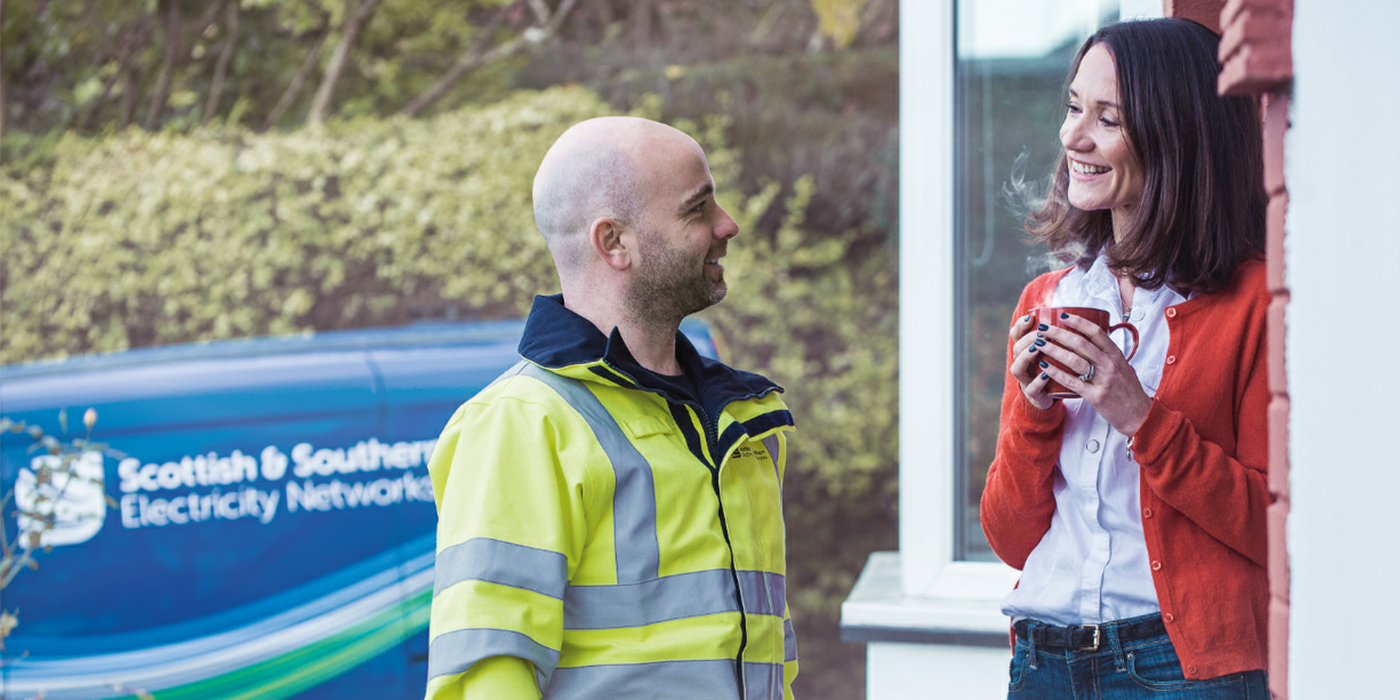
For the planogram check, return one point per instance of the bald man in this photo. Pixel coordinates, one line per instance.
(610, 509)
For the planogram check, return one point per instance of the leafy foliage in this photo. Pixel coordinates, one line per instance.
(144, 238)
(101, 65)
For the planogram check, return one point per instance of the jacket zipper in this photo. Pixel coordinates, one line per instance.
(712, 442)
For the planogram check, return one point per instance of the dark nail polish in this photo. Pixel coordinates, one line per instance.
(1033, 349)
(1043, 363)
(1042, 327)
(1044, 375)
(1027, 319)
(1064, 315)
(1040, 342)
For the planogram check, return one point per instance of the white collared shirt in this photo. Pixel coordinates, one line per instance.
(1092, 564)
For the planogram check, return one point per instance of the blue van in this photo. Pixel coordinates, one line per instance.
(273, 532)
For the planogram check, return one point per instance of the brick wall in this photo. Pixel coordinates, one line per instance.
(1256, 59)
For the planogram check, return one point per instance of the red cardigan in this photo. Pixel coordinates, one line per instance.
(1203, 454)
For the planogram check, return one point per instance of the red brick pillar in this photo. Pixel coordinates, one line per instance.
(1205, 12)
(1256, 59)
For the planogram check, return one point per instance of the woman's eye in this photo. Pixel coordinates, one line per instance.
(1108, 122)
(1072, 107)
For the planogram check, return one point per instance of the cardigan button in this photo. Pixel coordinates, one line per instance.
(1167, 617)
(1190, 669)
(1171, 313)
(1156, 566)
(1171, 359)
(1146, 512)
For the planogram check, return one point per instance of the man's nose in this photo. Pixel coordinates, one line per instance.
(727, 227)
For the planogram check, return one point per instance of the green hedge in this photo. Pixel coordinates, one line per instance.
(151, 238)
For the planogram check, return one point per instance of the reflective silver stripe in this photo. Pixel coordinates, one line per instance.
(634, 496)
(771, 442)
(763, 681)
(764, 593)
(673, 597)
(662, 680)
(649, 602)
(514, 370)
(789, 641)
(506, 563)
(455, 652)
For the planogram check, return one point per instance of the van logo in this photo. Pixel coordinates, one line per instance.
(79, 503)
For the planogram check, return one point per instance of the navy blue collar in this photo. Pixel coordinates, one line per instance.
(556, 337)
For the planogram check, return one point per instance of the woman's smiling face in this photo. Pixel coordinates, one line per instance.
(1104, 170)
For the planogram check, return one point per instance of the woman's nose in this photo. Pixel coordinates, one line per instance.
(1073, 135)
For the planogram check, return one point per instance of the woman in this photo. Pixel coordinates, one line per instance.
(1136, 513)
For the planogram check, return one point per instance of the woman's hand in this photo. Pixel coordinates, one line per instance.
(1025, 351)
(1112, 389)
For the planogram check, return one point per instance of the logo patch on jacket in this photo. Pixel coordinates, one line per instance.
(746, 451)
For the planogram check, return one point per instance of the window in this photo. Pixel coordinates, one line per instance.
(980, 85)
(1011, 58)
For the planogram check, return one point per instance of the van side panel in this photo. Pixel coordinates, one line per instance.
(273, 534)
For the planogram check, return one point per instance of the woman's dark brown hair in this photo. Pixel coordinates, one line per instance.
(1203, 200)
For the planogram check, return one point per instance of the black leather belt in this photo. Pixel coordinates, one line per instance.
(1087, 637)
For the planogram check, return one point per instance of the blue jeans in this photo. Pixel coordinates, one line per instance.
(1121, 670)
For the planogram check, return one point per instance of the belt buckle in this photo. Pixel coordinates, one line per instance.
(1095, 645)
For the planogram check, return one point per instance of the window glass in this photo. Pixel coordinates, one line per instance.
(1012, 56)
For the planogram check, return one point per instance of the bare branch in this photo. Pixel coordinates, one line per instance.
(642, 21)
(294, 88)
(4, 105)
(476, 56)
(221, 69)
(167, 69)
(541, 11)
(350, 31)
(134, 36)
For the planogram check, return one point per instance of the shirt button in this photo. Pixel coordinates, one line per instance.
(1171, 359)
(1167, 617)
(1156, 566)
(1137, 314)
(1146, 512)
(1171, 313)
(1092, 446)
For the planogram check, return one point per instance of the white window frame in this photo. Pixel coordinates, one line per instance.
(923, 587)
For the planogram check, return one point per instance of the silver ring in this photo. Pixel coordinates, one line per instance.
(1087, 375)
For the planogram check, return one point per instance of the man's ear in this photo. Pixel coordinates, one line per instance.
(606, 235)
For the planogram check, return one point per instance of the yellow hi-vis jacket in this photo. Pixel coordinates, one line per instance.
(624, 542)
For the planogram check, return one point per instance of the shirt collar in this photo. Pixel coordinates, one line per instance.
(1100, 283)
(556, 337)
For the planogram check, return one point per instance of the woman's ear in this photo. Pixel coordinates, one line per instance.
(606, 236)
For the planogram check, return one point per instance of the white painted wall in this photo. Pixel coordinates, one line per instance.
(936, 672)
(1343, 265)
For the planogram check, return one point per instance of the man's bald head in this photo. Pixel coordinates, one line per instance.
(596, 168)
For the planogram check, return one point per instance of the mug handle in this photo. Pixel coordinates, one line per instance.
(1132, 330)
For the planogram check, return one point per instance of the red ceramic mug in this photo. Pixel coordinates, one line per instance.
(1050, 316)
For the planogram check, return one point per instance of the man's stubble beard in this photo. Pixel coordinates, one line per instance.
(671, 286)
